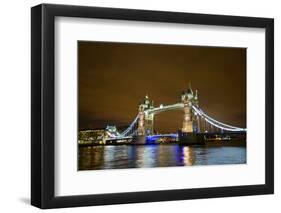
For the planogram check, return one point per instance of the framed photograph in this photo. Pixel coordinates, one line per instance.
(139, 106)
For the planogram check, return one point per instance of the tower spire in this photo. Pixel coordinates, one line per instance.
(196, 94)
(189, 90)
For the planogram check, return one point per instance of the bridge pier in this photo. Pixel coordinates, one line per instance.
(139, 140)
(190, 138)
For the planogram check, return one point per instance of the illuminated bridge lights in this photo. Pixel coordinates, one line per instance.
(199, 114)
(217, 123)
(152, 139)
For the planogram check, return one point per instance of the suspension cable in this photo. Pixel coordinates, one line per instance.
(213, 121)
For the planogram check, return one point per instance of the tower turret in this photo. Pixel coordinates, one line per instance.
(146, 103)
(196, 98)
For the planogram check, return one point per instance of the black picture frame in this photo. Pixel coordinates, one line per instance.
(43, 117)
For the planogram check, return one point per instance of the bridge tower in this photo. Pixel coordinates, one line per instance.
(190, 119)
(146, 120)
(141, 121)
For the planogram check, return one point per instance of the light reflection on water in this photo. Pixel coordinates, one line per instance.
(144, 156)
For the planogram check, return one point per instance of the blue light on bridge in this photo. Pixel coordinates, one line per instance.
(152, 139)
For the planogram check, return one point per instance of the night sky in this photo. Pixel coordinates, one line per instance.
(115, 77)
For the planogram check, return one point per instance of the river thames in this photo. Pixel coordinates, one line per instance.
(148, 156)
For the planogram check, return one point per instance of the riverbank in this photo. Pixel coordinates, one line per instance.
(233, 142)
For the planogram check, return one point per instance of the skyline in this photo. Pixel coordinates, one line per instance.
(115, 77)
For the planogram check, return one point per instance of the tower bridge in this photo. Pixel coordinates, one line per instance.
(195, 120)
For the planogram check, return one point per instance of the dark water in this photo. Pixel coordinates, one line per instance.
(126, 156)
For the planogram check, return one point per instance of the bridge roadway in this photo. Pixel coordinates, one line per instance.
(148, 137)
(174, 135)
